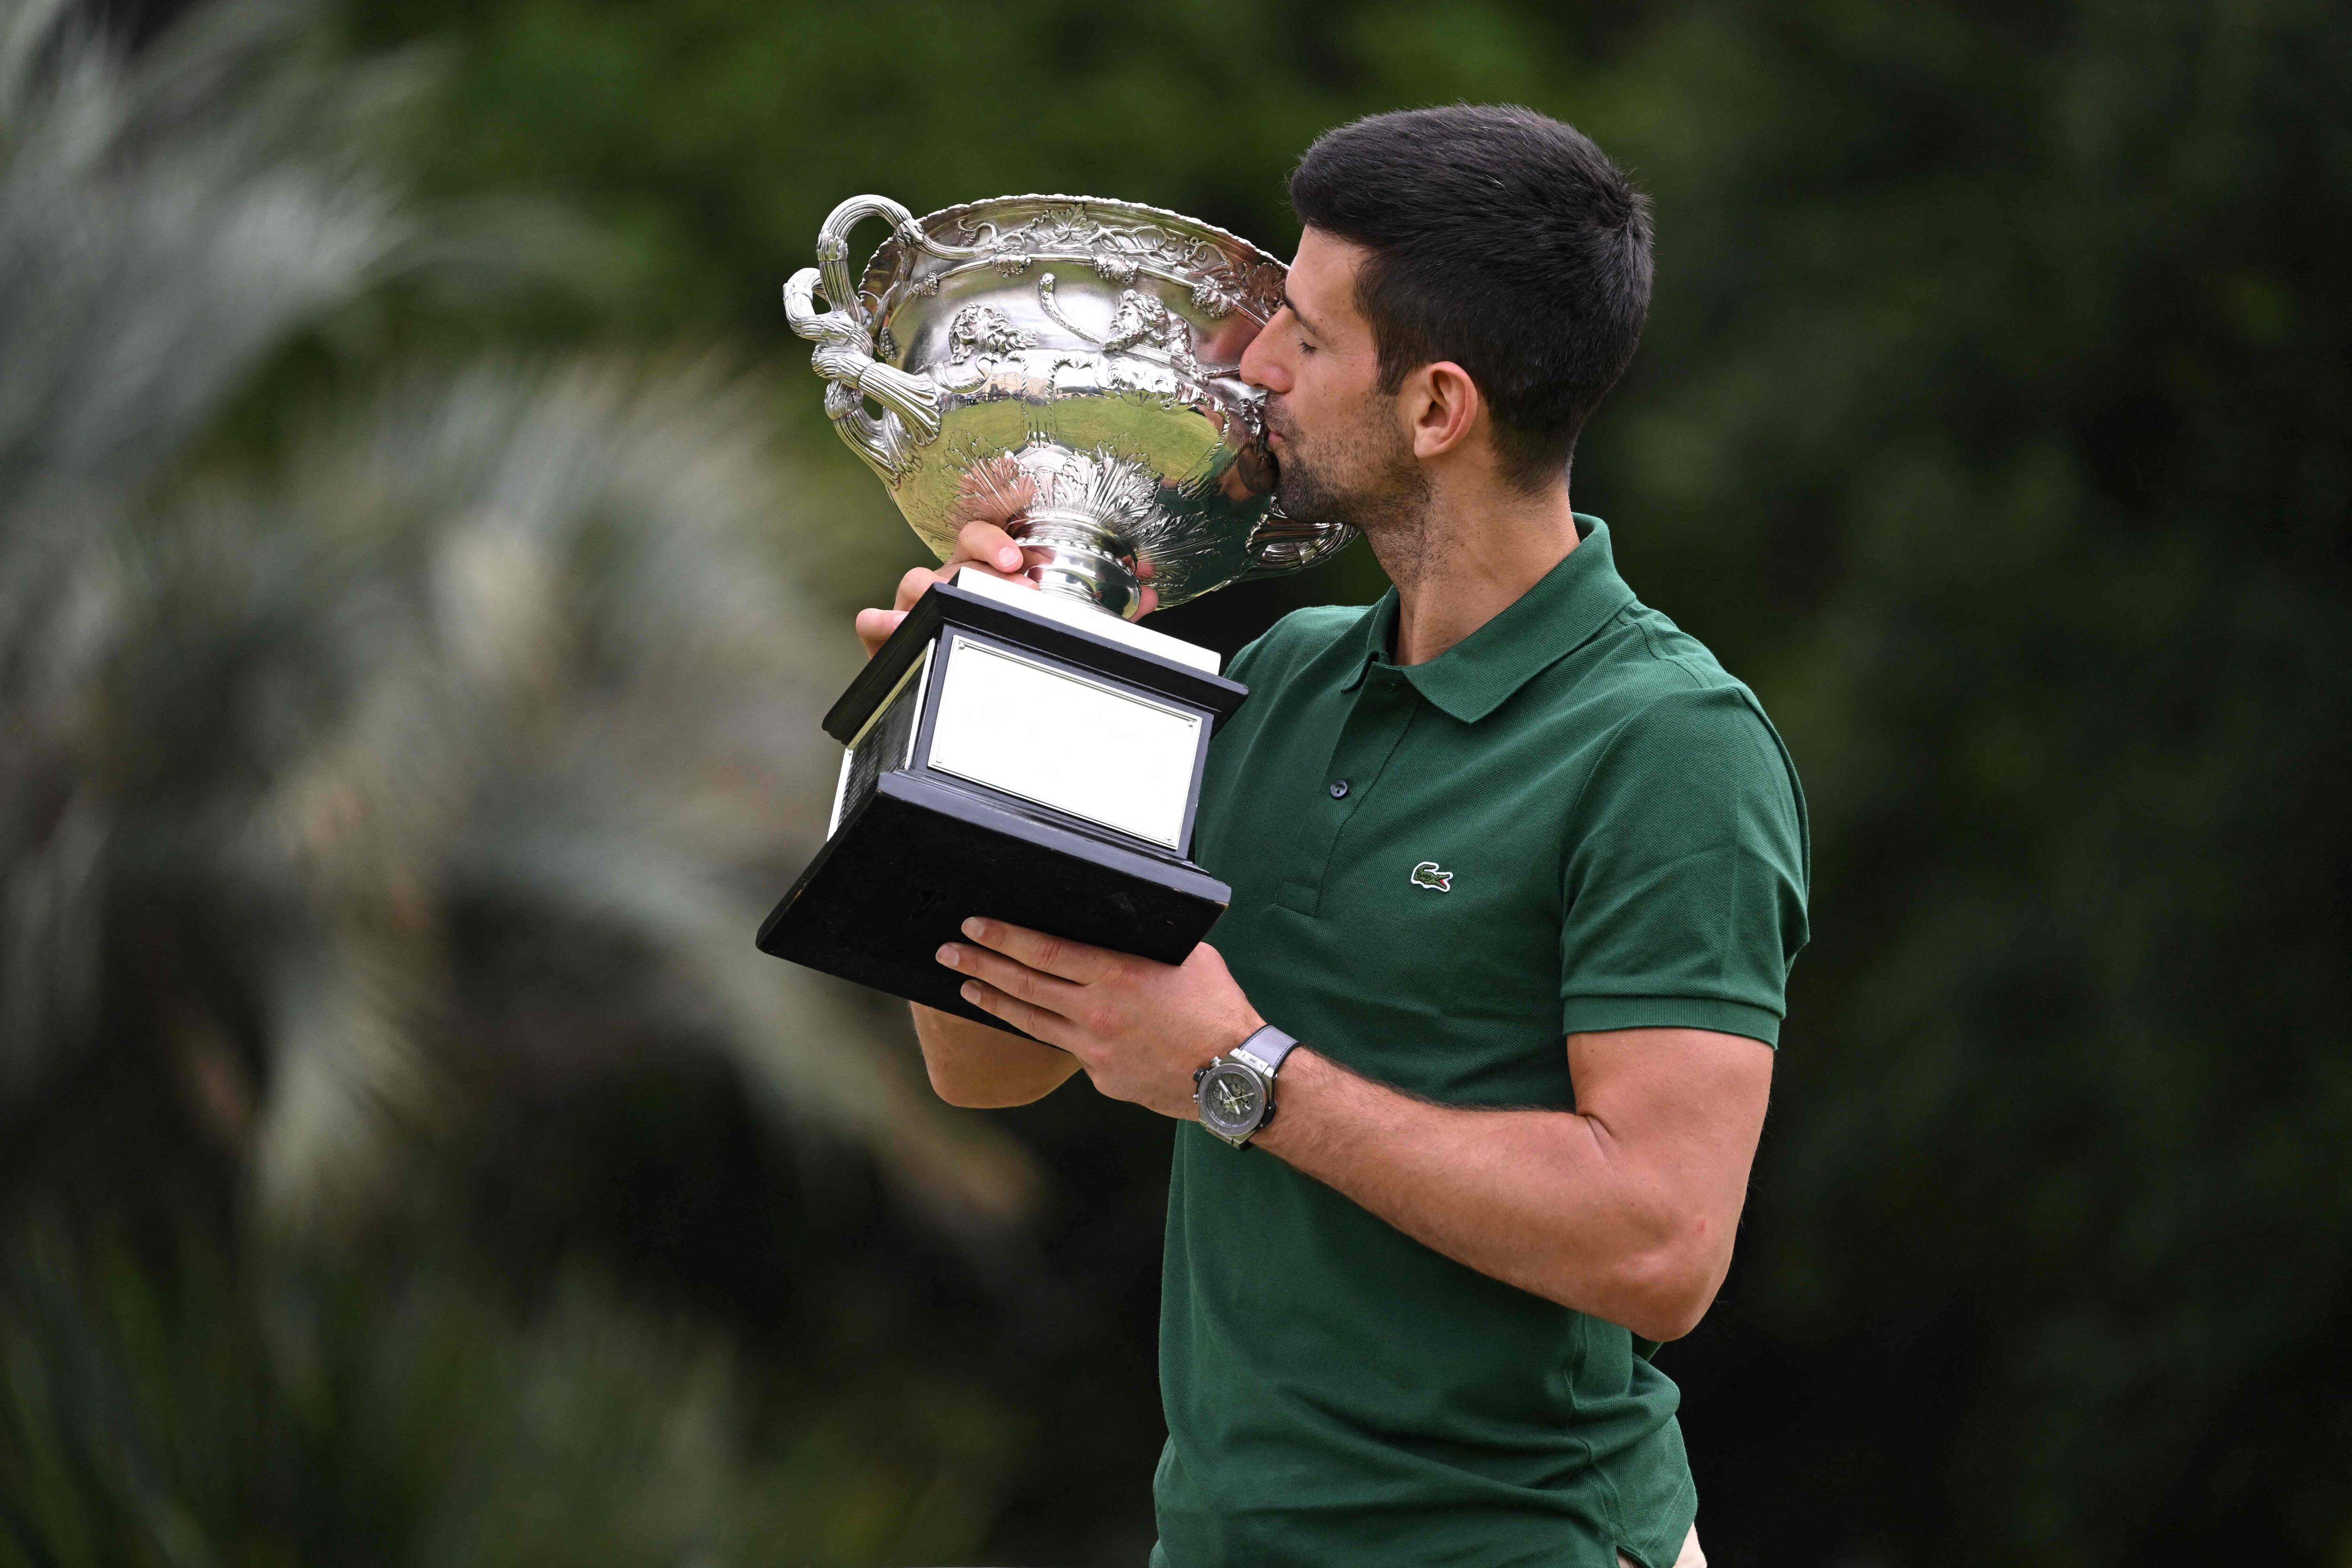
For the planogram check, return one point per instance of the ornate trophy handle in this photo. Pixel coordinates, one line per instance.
(1279, 546)
(843, 336)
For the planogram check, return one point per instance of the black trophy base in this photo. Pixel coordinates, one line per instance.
(921, 855)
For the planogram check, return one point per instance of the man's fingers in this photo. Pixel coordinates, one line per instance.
(989, 544)
(982, 544)
(1072, 960)
(916, 584)
(875, 627)
(1015, 979)
(1028, 1017)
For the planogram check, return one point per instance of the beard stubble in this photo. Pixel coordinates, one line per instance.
(1363, 475)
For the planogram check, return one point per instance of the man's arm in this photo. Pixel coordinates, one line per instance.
(1624, 1207)
(983, 1068)
(972, 1065)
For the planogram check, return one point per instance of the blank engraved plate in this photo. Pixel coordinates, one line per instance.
(1065, 740)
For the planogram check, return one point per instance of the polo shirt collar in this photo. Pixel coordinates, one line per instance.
(1563, 611)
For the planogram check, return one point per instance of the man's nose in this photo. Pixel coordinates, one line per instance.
(1261, 366)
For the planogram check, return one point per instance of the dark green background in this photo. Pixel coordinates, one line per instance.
(1992, 422)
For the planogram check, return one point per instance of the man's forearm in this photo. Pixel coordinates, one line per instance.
(976, 1066)
(1541, 1199)
(1624, 1207)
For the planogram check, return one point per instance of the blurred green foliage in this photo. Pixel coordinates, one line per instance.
(361, 786)
(1993, 422)
(173, 1409)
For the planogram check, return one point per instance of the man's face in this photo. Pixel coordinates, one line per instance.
(1337, 437)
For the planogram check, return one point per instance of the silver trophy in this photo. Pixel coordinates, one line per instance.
(1067, 367)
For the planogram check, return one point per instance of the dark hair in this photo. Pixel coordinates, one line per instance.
(1502, 240)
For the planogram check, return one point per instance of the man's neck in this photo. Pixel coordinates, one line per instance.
(1469, 559)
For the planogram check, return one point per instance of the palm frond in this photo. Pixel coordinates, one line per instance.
(515, 635)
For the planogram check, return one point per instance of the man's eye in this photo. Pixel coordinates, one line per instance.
(1305, 347)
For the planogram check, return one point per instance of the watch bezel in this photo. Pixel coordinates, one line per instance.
(1221, 1127)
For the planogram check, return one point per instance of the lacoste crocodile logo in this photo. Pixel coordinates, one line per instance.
(1427, 875)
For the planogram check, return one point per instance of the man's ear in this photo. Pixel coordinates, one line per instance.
(1442, 407)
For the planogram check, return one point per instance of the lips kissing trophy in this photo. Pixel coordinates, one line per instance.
(1068, 367)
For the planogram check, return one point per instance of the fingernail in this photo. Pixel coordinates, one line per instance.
(974, 927)
(948, 954)
(968, 991)
(1009, 558)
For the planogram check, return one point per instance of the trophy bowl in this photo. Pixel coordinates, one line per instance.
(1067, 366)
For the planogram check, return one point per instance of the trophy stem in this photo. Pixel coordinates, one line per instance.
(1084, 560)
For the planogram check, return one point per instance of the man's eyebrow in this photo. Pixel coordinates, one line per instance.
(1291, 305)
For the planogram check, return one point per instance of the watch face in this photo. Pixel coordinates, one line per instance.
(1230, 1100)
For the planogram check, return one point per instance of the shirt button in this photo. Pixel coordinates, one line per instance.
(1340, 789)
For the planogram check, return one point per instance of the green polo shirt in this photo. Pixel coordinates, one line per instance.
(1572, 820)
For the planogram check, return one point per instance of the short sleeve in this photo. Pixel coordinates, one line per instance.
(1238, 666)
(1686, 875)
(1269, 656)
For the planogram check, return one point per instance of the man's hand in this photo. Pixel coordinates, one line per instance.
(1139, 1029)
(983, 544)
(986, 545)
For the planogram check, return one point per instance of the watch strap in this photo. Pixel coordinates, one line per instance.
(1268, 1047)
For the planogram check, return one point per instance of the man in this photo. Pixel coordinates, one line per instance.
(1517, 864)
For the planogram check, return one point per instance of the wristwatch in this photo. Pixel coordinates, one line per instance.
(1236, 1091)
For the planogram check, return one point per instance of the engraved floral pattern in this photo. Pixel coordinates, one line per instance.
(1214, 301)
(1118, 250)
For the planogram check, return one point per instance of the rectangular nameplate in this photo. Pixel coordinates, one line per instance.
(1066, 740)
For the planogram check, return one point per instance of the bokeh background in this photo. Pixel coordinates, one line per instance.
(422, 564)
